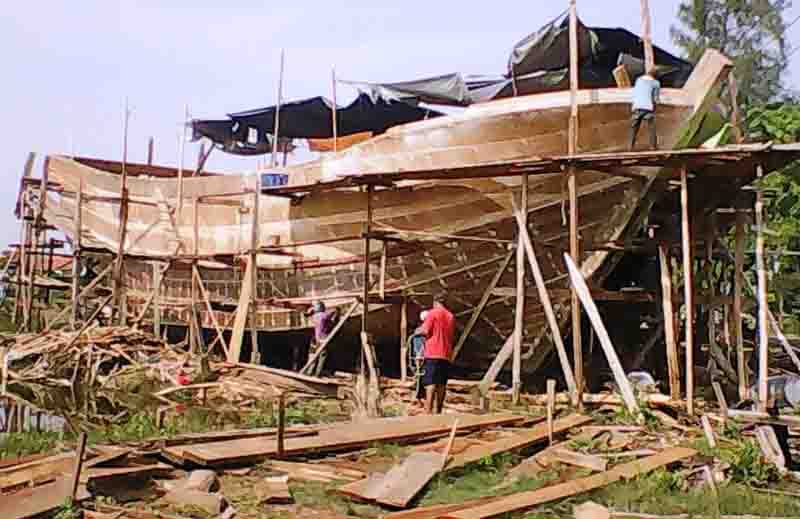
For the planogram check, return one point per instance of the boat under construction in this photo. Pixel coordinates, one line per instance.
(408, 204)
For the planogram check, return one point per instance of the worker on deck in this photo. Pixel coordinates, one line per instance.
(646, 93)
(439, 329)
(324, 321)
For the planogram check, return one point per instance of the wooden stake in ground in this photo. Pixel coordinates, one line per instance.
(688, 288)
(673, 366)
(763, 324)
(620, 378)
(708, 431)
(76, 471)
(281, 424)
(404, 340)
(551, 408)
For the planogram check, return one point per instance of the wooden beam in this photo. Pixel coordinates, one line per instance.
(763, 325)
(620, 378)
(544, 299)
(88, 288)
(737, 305)
(210, 310)
(239, 322)
(118, 285)
(158, 276)
(194, 328)
(673, 366)
(478, 310)
(76, 471)
(255, 354)
(688, 289)
(276, 134)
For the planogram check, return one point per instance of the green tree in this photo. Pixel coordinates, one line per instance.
(751, 32)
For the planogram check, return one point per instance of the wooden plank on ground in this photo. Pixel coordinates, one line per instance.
(526, 500)
(22, 474)
(434, 511)
(113, 472)
(274, 491)
(108, 457)
(519, 441)
(404, 481)
(315, 471)
(30, 502)
(338, 437)
(577, 459)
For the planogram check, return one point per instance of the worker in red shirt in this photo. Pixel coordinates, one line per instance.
(439, 328)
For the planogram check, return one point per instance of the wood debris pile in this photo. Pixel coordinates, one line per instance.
(61, 357)
(581, 453)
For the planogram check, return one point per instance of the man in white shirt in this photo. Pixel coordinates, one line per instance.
(643, 107)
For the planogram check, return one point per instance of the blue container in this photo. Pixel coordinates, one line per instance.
(274, 179)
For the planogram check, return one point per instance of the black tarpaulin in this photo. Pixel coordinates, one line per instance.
(548, 48)
(449, 89)
(250, 131)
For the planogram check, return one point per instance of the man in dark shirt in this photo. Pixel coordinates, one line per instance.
(324, 321)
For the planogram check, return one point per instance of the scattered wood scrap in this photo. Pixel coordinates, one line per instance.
(318, 472)
(526, 500)
(569, 457)
(274, 490)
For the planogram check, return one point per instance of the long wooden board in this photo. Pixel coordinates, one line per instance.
(434, 511)
(526, 500)
(338, 437)
(23, 473)
(31, 502)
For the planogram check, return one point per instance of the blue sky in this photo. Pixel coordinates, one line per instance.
(69, 65)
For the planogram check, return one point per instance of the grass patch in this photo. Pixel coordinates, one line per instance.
(480, 479)
(25, 443)
(322, 496)
(662, 492)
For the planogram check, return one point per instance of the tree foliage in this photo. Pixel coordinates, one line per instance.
(751, 32)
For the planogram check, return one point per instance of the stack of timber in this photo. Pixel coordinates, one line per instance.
(60, 357)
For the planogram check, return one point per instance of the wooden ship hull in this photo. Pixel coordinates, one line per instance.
(311, 246)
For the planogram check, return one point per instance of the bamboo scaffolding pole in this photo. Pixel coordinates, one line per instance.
(181, 154)
(276, 134)
(335, 113)
(150, 151)
(76, 256)
(519, 311)
(574, 245)
(193, 328)
(544, 298)
(763, 324)
(688, 289)
(738, 282)
(118, 288)
(647, 38)
(255, 355)
(404, 340)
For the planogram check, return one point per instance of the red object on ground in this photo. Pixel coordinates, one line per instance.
(183, 379)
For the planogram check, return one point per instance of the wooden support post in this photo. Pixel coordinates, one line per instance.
(367, 230)
(240, 319)
(688, 289)
(276, 135)
(519, 312)
(620, 378)
(194, 328)
(150, 151)
(544, 298)
(574, 246)
(382, 282)
(710, 311)
(763, 324)
(723, 404)
(118, 288)
(210, 310)
(281, 425)
(487, 294)
(649, 58)
(733, 88)
(76, 256)
(255, 354)
(738, 282)
(404, 340)
(673, 366)
(551, 407)
(158, 276)
(76, 469)
(335, 113)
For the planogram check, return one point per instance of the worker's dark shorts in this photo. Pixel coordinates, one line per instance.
(642, 115)
(435, 372)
